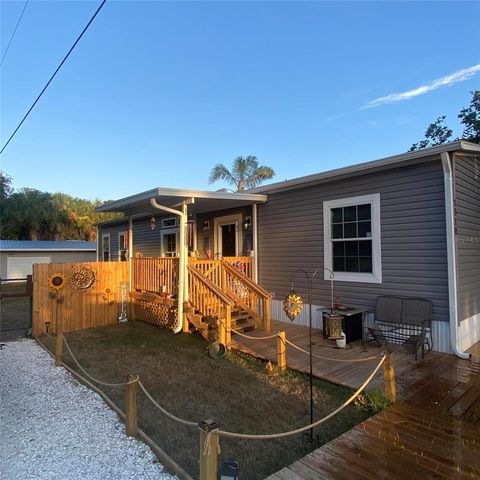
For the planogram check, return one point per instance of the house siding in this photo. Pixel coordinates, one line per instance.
(467, 240)
(413, 237)
(113, 230)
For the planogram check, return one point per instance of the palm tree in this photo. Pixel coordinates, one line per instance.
(246, 173)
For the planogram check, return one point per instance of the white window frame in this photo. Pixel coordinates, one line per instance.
(376, 275)
(106, 236)
(124, 233)
(169, 231)
(218, 222)
(169, 219)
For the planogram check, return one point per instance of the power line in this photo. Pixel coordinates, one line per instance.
(53, 76)
(14, 32)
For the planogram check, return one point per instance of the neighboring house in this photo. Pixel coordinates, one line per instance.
(18, 256)
(407, 225)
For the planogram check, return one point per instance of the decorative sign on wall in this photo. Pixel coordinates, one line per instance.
(82, 278)
(123, 302)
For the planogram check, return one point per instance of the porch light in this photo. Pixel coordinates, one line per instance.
(247, 223)
(206, 225)
(229, 470)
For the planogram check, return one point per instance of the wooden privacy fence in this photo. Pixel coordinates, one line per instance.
(74, 296)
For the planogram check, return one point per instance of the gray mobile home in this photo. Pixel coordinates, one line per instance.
(407, 225)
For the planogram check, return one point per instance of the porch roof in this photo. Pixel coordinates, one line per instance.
(204, 201)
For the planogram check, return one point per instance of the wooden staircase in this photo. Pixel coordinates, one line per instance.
(242, 321)
(224, 301)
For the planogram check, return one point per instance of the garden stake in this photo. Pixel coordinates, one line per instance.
(58, 349)
(209, 450)
(281, 351)
(131, 423)
(389, 378)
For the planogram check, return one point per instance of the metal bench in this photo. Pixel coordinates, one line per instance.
(402, 320)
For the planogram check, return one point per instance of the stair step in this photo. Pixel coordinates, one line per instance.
(244, 327)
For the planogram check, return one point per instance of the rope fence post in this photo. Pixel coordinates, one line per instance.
(209, 450)
(281, 351)
(389, 378)
(58, 349)
(131, 421)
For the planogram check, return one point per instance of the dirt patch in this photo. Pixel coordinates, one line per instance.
(242, 394)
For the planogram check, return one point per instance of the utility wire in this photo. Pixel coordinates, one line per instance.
(53, 76)
(14, 32)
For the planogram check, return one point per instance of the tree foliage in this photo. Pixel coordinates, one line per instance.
(470, 118)
(437, 133)
(245, 173)
(29, 214)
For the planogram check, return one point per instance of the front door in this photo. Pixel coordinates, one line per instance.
(229, 240)
(228, 236)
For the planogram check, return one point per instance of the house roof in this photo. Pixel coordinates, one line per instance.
(203, 201)
(47, 246)
(407, 158)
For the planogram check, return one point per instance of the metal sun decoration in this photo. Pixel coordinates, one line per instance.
(82, 278)
(292, 305)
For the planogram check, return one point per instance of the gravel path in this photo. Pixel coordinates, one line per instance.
(53, 427)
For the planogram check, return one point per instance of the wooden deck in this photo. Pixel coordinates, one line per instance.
(433, 431)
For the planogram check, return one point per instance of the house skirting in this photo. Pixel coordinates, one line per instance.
(440, 330)
(469, 332)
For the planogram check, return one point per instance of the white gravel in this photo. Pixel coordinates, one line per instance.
(53, 427)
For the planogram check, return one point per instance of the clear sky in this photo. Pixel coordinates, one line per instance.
(158, 92)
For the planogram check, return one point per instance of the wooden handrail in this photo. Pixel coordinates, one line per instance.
(261, 292)
(211, 286)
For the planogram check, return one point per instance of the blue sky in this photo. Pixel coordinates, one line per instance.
(157, 93)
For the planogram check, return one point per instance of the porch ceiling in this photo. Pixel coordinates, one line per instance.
(204, 201)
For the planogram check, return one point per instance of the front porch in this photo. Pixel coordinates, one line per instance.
(220, 296)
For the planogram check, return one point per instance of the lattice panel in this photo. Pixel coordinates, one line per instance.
(155, 313)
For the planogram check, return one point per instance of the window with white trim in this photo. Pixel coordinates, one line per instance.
(169, 243)
(352, 246)
(106, 247)
(122, 246)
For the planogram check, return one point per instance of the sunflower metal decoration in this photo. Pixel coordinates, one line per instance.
(56, 281)
(82, 278)
(292, 305)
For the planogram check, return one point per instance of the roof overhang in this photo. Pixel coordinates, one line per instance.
(58, 250)
(203, 201)
(408, 158)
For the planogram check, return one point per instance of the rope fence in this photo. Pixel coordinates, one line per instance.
(209, 431)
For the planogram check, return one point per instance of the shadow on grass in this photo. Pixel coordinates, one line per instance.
(239, 392)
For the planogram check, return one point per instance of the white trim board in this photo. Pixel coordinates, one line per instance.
(376, 275)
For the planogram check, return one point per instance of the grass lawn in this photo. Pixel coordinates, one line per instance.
(241, 393)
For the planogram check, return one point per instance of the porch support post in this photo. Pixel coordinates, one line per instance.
(255, 243)
(130, 263)
(182, 260)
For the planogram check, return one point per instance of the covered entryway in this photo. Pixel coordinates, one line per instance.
(228, 237)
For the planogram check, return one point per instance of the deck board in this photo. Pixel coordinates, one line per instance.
(432, 432)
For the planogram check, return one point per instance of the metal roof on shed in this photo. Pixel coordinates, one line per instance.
(47, 245)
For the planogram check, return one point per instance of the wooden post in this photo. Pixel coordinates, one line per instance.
(389, 378)
(281, 351)
(266, 314)
(228, 325)
(58, 349)
(131, 422)
(209, 448)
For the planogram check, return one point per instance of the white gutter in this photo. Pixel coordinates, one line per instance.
(182, 274)
(451, 255)
(255, 243)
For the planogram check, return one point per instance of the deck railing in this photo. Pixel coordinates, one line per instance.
(251, 297)
(210, 301)
(155, 274)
